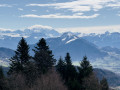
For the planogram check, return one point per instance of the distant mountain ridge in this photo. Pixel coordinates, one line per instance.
(5, 55)
(112, 78)
(10, 38)
(77, 47)
(106, 39)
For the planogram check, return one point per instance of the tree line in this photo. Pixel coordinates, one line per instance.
(43, 72)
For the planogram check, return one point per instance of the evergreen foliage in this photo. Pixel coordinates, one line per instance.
(1, 73)
(85, 68)
(35, 73)
(104, 84)
(21, 57)
(43, 57)
(61, 67)
(70, 70)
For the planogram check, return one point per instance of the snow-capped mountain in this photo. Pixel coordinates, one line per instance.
(10, 38)
(106, 39)
(76, 46)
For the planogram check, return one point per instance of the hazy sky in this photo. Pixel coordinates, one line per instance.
(65, 15)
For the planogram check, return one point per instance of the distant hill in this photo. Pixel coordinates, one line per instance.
(111, 49)
(5, 55)
(112, 78)
(6, 52)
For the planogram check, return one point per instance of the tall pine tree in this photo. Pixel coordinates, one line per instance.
(21, 57)
(61, 67)
(85, 70)
(70, 73)
(43, 57)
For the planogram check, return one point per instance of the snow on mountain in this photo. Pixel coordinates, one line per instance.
(106, 39)
(10, 38)
(68, 37)
(77, 47)
(72, 40)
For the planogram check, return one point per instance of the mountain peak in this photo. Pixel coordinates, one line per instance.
(68, 35)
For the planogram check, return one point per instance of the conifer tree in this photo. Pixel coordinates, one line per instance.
(68, 60)
(104, 84)
(43, 57)
(61, 67)
(69, 68)
(85, 70)
(21, 57)
(1, 73)
(70, 73)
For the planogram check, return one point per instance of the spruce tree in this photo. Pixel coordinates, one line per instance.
(85, 70)
(21, 57)
(104, 84)
(69, 67)
(68, 60)
(61, 67)
(70, 73)
(43, 57)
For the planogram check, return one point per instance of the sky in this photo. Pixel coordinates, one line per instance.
(87, 16)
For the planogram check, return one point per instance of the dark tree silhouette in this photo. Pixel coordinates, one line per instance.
(21, 57)
(43, 57)
(61, 67)
(70, 73)
(85, 70)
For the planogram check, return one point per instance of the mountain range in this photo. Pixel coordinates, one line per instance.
(105, 39)
(10, 38)
(77, 47)
(102, 50)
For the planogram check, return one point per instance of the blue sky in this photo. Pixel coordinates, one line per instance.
(63, 15)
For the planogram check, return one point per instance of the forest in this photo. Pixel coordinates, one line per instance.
(43, 72)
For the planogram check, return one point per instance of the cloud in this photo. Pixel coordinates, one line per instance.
(114, 5)
(40, 26)
(94, 29)
(34, 10)
(21, 9)
(3, 29)
(80, 5)
(5, 5)
(60, 16)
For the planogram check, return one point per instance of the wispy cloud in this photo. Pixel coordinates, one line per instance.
(114, 5)
(5, 5)
(34, 10)
(60, 16)
(80, 5)
(39, 27)
(3, 29)
(21, 9)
